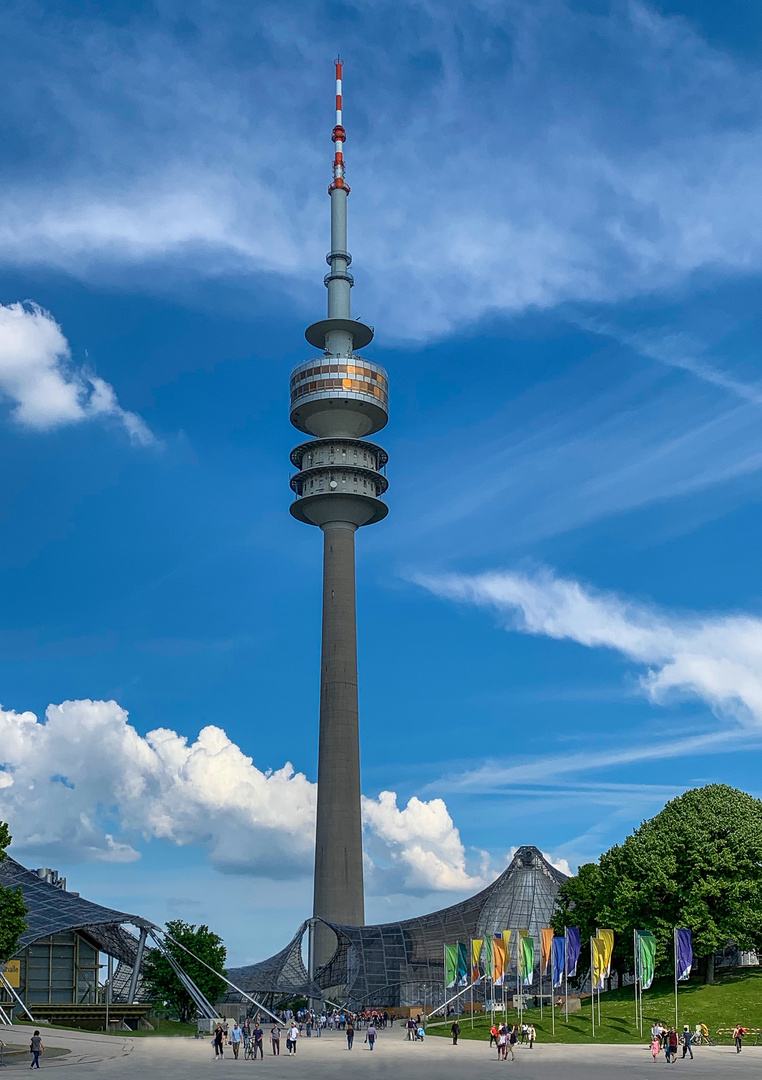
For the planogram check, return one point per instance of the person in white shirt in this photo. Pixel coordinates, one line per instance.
(293, 1035)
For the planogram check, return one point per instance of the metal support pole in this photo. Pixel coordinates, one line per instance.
(674, 943)
(133, 989)
(592, 986)
(109, 985)
(566, 974)
(4, 982)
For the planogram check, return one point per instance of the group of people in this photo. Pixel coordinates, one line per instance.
(251, 1036)
(505, 1037)
(668, 1040)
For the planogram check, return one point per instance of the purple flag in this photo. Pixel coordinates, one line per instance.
(559, 957)
(573, 949)
(683, 954)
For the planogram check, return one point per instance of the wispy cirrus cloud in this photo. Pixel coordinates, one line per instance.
(715, 658)
(637, 165)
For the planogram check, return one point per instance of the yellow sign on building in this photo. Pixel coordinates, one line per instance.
(12, 971)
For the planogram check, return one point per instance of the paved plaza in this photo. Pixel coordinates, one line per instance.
(124, 1058)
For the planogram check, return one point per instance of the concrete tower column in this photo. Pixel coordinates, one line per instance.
(339, 398)
(339, 892)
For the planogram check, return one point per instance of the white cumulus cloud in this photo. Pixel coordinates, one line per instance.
(42, 384)
(84, 785)
(425, 847)
(716, 658)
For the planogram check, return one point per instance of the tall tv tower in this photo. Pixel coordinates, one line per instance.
(339, 398)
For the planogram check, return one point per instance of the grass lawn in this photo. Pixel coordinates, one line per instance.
(736, 997)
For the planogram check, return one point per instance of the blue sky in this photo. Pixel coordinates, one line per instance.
(555, 223)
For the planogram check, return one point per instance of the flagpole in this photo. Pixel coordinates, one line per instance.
(635, 966)
(541, 980)
(472, 984)
(566, 973)
(592, 985)
(674, 942)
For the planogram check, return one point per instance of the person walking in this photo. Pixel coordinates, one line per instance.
(257, 1037)
(672, 1045)
(350, 1035)
(655, 1046)
(513, 1038)
(532, 1035)
(370, 1034)
(493, 1036)
(36, 1047)
(501, 1040)
(455, 1029)
(293, 1035)
(236, 1037)
(738, 1034)
(686, 1039)
(219, 1035)
(275, 1040)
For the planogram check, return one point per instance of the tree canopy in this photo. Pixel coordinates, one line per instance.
(163, 984)
(696, 864)
(12, 907)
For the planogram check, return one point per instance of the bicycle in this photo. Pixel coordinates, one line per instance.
(248, 1050)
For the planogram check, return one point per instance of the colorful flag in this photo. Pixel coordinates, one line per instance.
(526, 959)
(547, 948)
(559, 959)
(646, 958)
(462, 963)
(608, 937)
(506, 935)
(451, 965)
(598, 962)
(498, 959)
(476, 948)
(487, 958)
(683, 954)
(573, 949)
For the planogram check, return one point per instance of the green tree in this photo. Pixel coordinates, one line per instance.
(579, 904)
(163, 984)
(12, 907)
(697, 864)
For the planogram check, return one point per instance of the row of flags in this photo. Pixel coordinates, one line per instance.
(467, 963)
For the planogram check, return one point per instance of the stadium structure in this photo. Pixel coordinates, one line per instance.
(402, 963)
(55, 973)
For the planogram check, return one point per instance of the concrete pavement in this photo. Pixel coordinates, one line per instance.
(110, 1057)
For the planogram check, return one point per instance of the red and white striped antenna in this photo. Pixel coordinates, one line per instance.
(339, 135)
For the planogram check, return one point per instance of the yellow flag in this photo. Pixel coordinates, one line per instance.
(547, 946)
(598, 946)
(476, 948)
(507, 946)
(608, 937)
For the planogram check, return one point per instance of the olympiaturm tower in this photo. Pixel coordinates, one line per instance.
(338, 398)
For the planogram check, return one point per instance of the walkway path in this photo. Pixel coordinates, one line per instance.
(110, 1057)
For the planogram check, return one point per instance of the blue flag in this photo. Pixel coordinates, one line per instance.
(559, 959)
(683, 954)
(573, 949)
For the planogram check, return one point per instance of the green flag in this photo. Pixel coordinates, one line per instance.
(487, 958)
(526, 959)
(451, 965)
(646, 958)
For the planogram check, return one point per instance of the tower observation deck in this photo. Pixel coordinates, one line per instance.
(338, 398)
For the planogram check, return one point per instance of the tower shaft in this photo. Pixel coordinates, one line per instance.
(339, 398)
(339, 893)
